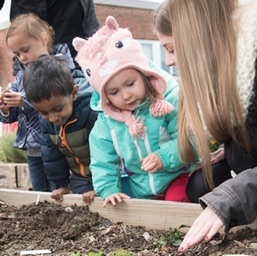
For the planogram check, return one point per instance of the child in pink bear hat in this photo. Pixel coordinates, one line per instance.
(137, 122)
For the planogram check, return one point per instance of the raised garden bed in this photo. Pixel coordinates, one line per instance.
(32, 221)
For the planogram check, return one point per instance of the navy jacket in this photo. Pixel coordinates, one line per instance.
(66, 148)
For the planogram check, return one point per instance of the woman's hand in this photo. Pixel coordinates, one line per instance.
(205, 227)
(115, 197)
(217, 156)
(151, 163)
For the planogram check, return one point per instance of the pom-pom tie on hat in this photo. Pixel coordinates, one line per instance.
(136, 127)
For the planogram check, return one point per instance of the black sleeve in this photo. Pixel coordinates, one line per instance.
(1, 4)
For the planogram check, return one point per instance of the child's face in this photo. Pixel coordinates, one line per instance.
(27, 49)
(126, 89)
(57, 109)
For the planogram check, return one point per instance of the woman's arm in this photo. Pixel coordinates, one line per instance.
(233, 203)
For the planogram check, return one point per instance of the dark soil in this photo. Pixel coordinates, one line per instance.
(69, 230)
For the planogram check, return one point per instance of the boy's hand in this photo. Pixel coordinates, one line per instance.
(114, 197)
(57, 194)
(12, 99)
(88, 197)
(151, 163)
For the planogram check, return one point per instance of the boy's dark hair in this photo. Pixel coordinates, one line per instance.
(46, 77)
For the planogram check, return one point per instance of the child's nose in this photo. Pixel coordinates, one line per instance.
(126, 95)
(52, 117)
(22, 58)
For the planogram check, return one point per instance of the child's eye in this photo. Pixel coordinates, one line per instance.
(113, 93)
(25, 50)
(58, 109)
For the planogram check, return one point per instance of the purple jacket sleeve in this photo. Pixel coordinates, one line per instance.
(235, 200)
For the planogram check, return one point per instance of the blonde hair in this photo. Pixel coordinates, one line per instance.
(205, 42)
(31, 26)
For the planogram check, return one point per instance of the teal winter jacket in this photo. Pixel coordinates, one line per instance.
(113, 149)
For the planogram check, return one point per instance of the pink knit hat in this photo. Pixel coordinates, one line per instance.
(110, 50)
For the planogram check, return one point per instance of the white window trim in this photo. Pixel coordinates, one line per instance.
(5, 15)
(142, 4)
(156, 52)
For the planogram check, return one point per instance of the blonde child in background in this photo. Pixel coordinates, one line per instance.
(28, 37)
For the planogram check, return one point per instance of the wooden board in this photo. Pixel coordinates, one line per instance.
(152, 214)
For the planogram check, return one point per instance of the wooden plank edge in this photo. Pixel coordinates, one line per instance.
(152, 214)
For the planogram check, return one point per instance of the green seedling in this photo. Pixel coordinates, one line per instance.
(213, 145)
(170, 238)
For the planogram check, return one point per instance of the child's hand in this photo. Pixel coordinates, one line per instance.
(57, 194)
(12, 99)
(3, 107)
(88, 197)
(151, 163)
(5, 110)
(114, 197)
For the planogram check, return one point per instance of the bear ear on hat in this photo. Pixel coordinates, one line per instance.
(111, 23)
(78, 43)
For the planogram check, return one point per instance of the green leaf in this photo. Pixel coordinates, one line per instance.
(8, 153)
(170, 237)
(95, 254)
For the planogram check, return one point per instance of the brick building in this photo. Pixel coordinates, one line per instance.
(136, 15)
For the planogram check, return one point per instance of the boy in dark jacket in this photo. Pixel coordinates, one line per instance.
(67, 120)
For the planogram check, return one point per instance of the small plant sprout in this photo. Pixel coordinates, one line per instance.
(170, 237)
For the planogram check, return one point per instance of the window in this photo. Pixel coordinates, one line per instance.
(155, 52)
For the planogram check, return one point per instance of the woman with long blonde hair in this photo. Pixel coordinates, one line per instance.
(213, 45)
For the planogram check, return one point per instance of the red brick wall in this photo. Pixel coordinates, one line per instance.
(138, 21)
(5, 62)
